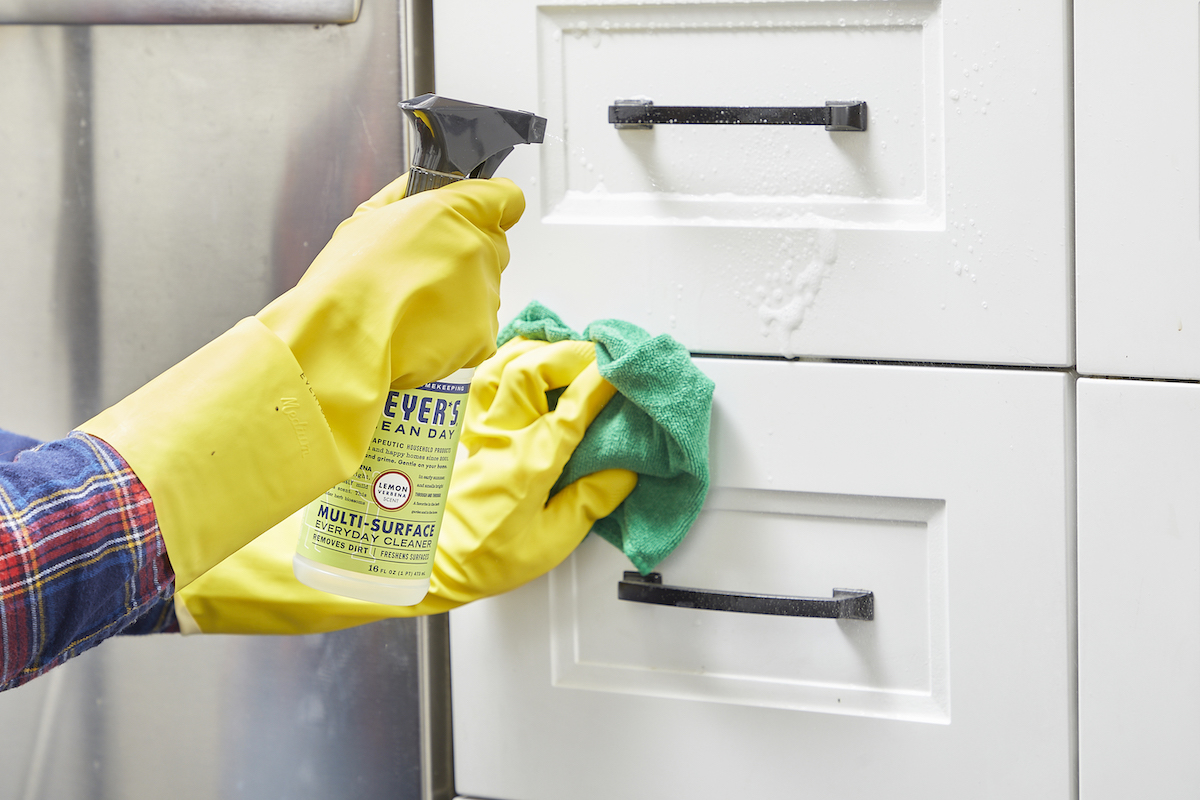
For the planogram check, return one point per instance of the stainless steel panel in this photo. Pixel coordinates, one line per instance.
(144, 12)
(157, 183)
(235, 718)
(226, 155)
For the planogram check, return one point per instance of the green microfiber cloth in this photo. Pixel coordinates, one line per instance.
(656, 426)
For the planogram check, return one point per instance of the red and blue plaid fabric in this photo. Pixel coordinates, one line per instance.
(81, 557)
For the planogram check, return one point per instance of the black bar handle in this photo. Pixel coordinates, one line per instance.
(845, 603)
(835, 115)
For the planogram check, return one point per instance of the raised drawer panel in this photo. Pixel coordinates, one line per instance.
(896, 666)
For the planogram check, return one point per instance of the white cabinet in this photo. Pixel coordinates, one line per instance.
(1139, 589)
(941, 233)
(944, 491)
(1138, 188)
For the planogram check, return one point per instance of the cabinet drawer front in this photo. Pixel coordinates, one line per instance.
(938, 233)
(940, 490)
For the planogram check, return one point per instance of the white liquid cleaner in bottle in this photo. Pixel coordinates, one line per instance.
(373, 537)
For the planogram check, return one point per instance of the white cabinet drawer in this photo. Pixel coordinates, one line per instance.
(1139, 589)
(1138, 188)
(943, 491)
(939, 233)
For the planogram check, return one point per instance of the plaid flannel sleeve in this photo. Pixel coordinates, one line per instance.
(81, 557)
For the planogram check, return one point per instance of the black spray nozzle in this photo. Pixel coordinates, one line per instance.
(457, 140)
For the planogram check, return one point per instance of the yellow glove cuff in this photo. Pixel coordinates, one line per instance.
(248, 445)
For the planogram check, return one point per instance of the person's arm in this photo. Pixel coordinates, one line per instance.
(12, 444)
(159, 616)
(249, 428)
(502, 527)
(81, 557)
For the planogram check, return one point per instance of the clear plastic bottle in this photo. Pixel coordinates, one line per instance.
(373, 536)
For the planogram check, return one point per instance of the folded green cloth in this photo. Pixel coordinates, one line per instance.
(656, 426)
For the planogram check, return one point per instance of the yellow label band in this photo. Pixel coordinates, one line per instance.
(384, 520)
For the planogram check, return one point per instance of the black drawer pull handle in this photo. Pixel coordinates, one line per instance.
(845, 603)
(644, 115)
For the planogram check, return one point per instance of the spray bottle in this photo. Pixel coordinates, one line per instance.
(373, 536)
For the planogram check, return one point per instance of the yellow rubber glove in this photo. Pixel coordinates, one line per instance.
(256, 424)
(498, 532)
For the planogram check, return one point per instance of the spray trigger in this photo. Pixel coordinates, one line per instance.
(457, 140)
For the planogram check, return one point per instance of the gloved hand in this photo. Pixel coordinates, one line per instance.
(498, 532)
(259, 422)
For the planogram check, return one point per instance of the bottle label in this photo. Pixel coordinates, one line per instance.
(384, 521)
